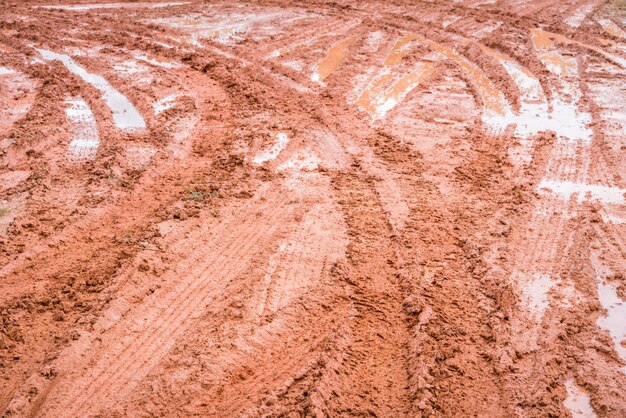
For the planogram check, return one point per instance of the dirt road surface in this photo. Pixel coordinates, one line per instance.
(346, 208)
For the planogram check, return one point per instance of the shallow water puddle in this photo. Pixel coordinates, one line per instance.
(615, 319)
(335, 29)
(567, 189)
(576, 18)
(333, 59)
(165, 103)
(536, 294)
(134, 72)
(545, 45)
(611, 28)
(535, 115)
(546, 41)
(565, 118)
(393, 95)
(137, 5)
(282, 139)
(85, 137)
(577, 401)
(383, 93)
(496, 109)
(157, 61)
(6, 71)
(125, 115)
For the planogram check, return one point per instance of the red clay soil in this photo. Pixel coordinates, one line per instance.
(313, 208)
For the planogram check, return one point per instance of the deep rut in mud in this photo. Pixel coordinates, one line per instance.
(320, 209)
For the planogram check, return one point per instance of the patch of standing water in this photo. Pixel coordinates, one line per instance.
(158, 62)
(165, 103)
(6, 71)
(333, 59)
(564, 118)
(125, 116)
(385, 91)
(130, 68)
(577, 401)
(566, 189)
(282, 139)
(576, 19)
(615, 320)
(400, 89)
(85, 138)
(536, 294)
(496, 108)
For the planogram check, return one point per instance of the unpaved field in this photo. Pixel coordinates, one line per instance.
(313, 208)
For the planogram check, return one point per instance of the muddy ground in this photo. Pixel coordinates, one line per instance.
(343, 208)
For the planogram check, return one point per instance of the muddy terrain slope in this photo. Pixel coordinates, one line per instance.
(322, 208)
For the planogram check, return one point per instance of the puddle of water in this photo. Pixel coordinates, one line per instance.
(85, 138)
(611, 28)
(399, 50)
(576, 19)
(138, 5)
(5, 71)
(157, 61)
(295, 65)
(564, 119)
(545, 45)
(577, 401)
(400, 89)
(496, 109)
(615, 320)
(383, 93)
(165, 103)
(125, 116)
(544, 40)
(612, 218)
(130, 67)
(333, 59)
(536, 294)
(282, 139)
(566, 189)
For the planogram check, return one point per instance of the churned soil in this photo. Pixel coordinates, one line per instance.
(283, 208)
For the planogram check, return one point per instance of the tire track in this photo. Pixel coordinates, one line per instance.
(134, 358)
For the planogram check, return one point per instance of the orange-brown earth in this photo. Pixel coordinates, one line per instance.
(313, 208)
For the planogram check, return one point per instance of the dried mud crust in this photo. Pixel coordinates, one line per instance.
(355, 209)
